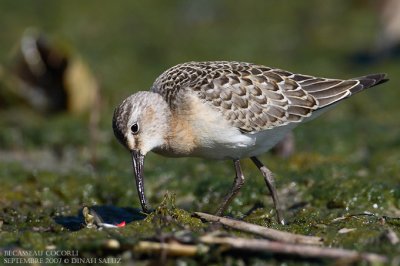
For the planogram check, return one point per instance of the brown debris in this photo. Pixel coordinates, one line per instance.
(261, 231)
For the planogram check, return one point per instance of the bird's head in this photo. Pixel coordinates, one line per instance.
(141, 124)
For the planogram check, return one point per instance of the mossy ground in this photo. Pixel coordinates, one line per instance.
(347, 162)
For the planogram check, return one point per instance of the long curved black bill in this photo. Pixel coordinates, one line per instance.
(138, 162)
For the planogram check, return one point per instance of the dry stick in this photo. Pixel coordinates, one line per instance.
(169, 249)
(257, 245)
(304, 251)
(390, 235)
(262, 231)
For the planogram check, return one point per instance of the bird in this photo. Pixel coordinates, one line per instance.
(225, 110)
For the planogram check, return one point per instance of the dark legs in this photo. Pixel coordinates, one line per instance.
(237, 184)
(270, 181)
(239, 181)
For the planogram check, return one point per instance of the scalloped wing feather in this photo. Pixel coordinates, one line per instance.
(253, 97)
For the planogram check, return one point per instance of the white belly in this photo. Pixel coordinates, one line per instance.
(238, 146)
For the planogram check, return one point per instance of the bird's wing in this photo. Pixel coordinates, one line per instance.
(254, 97)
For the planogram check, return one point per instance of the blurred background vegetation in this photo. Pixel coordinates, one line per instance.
(346, 162)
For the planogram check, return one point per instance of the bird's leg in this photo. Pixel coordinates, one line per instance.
(237, 184)
(270, 181)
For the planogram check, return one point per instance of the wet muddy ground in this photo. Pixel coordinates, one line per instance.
(342, 183)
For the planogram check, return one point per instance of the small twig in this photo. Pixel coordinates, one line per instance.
(261, 231)
(170, 249)
(304, 251)
(366, 213)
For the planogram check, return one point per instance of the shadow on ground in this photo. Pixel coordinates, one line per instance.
(109, 214)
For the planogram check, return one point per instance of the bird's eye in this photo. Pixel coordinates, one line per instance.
(135, 128)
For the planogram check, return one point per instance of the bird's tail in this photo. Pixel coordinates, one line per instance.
(331, 91)
(368, 81)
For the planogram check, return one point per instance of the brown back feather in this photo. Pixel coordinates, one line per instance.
(254, 97)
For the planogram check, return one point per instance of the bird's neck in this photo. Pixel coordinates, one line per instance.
(179, 138)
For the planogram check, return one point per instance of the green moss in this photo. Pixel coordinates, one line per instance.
(167, 215)
(345, 173)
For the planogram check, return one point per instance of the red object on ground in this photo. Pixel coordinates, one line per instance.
(121, 224)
